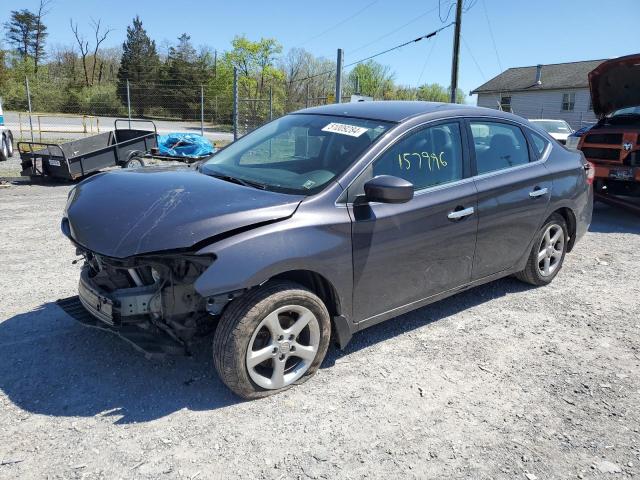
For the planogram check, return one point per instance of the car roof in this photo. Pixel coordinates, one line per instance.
(547, 120)
(401, 110)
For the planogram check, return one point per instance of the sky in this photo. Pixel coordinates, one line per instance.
(496, 34)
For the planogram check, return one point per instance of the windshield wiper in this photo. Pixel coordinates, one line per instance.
(239, 181)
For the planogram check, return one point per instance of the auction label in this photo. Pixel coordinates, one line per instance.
(344, 129)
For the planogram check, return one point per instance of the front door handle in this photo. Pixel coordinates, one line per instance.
(457, 214)
(538, 192)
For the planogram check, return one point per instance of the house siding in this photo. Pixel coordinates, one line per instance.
(545, 104)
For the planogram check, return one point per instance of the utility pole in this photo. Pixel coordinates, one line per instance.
(202, 110)
(26, 79)
(339, 62)
(456, 52)
(235, 103)
(129, 104)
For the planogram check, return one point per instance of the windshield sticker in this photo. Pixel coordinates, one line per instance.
(344, 129)
(309, 184)
(424, 160)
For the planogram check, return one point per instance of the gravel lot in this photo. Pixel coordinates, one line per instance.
(503, 381)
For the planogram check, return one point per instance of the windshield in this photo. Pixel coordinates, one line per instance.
(627, 111)
(297, 154)
(553, 126)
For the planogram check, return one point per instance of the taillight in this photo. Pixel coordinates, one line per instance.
(591, 172)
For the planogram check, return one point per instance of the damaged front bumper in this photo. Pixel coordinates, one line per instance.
(149, 301)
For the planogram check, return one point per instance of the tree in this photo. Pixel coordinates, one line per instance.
(139, 64)
(85, 49)
(371, 79)
(40, 34)
(26, 32)
(434, 92)
(305, 75)
(256, 63)
(21, 31)
(185, 71)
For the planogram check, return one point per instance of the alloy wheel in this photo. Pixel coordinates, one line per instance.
(283, 347)
(550, 250)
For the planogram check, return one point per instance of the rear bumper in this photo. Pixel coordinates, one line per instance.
(583, 216)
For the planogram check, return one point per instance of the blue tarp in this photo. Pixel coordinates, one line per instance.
(184, 145)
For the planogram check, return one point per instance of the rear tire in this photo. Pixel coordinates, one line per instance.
(271, 338)
(10, 144)
(4, 149)
(547, 253)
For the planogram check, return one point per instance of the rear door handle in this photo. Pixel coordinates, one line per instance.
(457, 214)
(538, 192)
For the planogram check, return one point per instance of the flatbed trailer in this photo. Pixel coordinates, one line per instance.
(123, 147)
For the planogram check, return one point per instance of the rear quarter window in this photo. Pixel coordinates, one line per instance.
(539, 144)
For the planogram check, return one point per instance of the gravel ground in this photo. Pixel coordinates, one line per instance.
(503, 381)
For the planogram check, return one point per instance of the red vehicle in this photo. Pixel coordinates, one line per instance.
(613, 144)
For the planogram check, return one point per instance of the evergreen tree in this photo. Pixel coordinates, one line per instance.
(26, 33)
(139, 64)
(183, 79)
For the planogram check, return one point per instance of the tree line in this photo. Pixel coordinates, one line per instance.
(88, 78)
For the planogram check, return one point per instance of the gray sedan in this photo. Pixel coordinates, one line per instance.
(318, 225)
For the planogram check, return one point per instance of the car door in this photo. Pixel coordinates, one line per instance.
(403, 253)
(513, 194)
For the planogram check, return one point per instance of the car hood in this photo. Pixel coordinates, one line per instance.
(615, 84)
(130, 212)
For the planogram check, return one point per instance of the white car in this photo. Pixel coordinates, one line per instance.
(558, 129)
(6, 138)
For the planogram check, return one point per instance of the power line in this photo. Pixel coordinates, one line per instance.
(433, 46)
(340, 23)
(472, 57)
(493, 40)
(428, 35)
(415, 19)
(415, 40)
(448, 11)
(470, 5)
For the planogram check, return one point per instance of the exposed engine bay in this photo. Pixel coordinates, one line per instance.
(147, 291)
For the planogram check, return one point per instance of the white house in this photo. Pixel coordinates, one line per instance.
(558, 91)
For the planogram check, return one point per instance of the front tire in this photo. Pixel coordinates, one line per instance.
(271, 338)
(547, 253)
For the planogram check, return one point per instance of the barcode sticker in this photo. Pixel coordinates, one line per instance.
(344, 129)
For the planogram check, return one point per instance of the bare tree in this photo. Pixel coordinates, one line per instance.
(100, 37)
(84, 46)
(40, 33)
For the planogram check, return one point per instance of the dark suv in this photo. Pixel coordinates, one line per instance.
(318, 225)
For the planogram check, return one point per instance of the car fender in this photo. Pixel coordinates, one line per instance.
(303, 242)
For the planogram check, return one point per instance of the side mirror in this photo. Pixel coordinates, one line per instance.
(388, 189)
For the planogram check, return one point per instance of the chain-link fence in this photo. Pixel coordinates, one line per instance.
(51, 110)
(58, 110)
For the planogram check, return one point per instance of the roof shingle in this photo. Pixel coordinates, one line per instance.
(553, 77)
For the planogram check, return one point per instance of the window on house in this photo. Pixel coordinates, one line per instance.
(505, 103)
(568, 101)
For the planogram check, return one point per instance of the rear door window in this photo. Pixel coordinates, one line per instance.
(498, 146)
